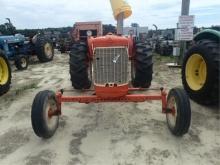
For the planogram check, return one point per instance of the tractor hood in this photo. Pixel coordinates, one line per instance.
(12, 39)
(110, 40)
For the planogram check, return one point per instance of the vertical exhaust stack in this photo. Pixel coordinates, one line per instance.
(121, 10)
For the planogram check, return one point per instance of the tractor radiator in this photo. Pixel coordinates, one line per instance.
(110, 65)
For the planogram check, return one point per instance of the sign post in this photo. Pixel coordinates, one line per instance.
(186, 24)
(184, 12)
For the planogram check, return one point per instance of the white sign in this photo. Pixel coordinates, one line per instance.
(186, 24)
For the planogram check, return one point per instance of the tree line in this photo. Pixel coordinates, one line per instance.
(9, 29)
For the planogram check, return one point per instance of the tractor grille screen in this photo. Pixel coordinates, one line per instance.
(111, 65)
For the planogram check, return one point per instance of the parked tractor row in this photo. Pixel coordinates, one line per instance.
(18, 49)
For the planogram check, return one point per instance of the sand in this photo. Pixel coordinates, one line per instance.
(104, 133)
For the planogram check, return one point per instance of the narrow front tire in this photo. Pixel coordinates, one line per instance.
(43, 124)
(178, 112)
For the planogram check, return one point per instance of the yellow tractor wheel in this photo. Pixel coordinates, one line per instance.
(5, 74)
(200, 72)
(196, 72)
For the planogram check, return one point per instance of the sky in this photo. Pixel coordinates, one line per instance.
(60, 13)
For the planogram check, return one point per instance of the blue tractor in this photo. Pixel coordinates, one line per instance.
(17, 48)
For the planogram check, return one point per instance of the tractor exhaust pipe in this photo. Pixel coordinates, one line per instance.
(120, 24)
(121, 10)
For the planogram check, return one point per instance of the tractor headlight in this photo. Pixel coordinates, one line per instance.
(89, 33)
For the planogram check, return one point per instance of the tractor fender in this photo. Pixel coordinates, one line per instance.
(208, 34)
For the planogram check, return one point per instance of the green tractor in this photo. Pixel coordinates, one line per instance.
(200, 69)
(5, 74)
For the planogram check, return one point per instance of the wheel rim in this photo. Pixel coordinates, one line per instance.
(4, 73)
(23, 62)
(196, 72)
(48, 50)
(172, 116)
(51, 121)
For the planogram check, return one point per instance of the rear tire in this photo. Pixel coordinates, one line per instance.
(166, 51)
(200, 72)
(179, 117)
(22, 62)
(44, 49)
(79, 66)
(42, 124)
(142, 68)
(5, 74)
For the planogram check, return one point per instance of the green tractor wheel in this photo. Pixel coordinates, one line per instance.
(5, 74)
(200, 72)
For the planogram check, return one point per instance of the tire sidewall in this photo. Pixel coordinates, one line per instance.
(5, 87)
(142, 66)
(183, 111)
(204, 52)
(48, 42)
(18, 62)
(39, 123)
(40, 49)
(49, 131)
(79, 66)
(174, 129)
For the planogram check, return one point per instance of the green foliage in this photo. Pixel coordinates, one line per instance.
(7, 29)
(32, 32)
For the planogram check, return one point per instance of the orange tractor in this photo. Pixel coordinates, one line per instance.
(102, 66)
(80, 29)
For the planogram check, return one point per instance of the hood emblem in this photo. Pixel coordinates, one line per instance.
(115, 59)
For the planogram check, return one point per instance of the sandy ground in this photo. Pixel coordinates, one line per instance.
(102, 134)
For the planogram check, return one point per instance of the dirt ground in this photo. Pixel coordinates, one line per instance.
(102, 134)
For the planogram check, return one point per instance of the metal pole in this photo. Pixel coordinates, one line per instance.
(120, 23)
(185, 7)
(184, 11)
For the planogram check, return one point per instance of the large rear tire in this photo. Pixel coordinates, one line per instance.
(142, 68)
(44, 49)
(5, 74)
(79, 66)
(200, 72)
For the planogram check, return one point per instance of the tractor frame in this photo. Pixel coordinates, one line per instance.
(159, 95)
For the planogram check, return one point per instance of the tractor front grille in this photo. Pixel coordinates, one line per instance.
(110, 65)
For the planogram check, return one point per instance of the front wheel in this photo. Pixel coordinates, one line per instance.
(178, 112)
(22, 63)
(43, 124)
